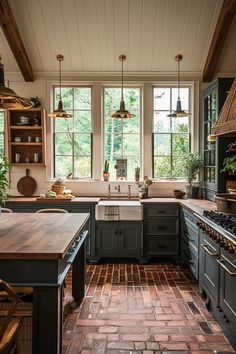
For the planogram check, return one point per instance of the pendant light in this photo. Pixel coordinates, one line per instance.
(60, 112)
(179, 112)
(122, 112)
(8, 98)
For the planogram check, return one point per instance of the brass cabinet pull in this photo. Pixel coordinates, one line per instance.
(221, 263)
(205, 247)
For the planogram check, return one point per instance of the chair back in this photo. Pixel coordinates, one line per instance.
(6, 210)
(52, 210)
(6, 291)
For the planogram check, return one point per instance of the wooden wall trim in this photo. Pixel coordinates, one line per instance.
(221, 31)
(15, 42)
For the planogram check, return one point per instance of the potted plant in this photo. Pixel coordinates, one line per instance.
(229, 164)
(143, 191)
(5, 167)
(192, 165)
(106, 174)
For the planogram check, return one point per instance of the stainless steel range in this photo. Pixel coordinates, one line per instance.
(220, 227)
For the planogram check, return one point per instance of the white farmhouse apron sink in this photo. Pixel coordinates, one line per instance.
(119, 210)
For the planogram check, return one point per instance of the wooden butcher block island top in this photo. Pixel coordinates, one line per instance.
(38, 236)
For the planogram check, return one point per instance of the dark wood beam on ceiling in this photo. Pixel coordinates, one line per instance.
(221, 31)
(15, 42)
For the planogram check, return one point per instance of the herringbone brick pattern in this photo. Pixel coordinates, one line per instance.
(130, 308)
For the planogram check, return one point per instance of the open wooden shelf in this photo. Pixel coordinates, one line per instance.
(35, 130)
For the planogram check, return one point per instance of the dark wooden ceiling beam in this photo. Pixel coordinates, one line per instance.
(221, 31)
(15, 42)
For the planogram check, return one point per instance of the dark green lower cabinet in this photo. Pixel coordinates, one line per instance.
(161, 230)
(228, 288)
(218, 282)
(209, 267)
(189, 241)
(161, 245)
(119, 239)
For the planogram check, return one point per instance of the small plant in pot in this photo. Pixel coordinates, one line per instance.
(229, 164)
(106, 174)
(192, 166)
(5, 167)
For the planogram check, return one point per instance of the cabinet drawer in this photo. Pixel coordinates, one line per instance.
(161, 210)
(191, 259)
(190, 220)
(163, 226)
(190, 238)
(155, 245)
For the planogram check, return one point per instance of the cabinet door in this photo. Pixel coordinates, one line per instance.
(228, 286)
(130, 235)
(107, 234)
(214, 152)
(209, 268)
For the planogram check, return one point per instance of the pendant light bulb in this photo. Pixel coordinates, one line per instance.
(122, 112)
(60, 112)
(179, 112)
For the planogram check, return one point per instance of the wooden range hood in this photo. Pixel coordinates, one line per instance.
(226, 123)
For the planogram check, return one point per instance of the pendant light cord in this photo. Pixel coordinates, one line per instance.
(60, 76)
(178, 79)
(60, 58)
(122, 79)
(178, 58)
(122, 57)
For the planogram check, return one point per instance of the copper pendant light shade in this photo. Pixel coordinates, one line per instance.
(8, 98)
(179, 112)
(122, 112)
(60, 112)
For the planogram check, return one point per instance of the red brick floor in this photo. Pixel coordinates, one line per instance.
(130, 308)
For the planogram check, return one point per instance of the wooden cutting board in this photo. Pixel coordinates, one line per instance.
(26, 185)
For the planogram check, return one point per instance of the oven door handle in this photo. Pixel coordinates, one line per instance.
(205, 247)
(221, 263)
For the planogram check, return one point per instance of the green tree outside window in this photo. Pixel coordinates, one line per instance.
(73, 136)
(122, 136)
(171, 136)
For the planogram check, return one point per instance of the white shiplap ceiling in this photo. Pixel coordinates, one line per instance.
(91, 34)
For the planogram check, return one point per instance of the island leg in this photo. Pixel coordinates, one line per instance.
(79, 274)
(47, 320)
